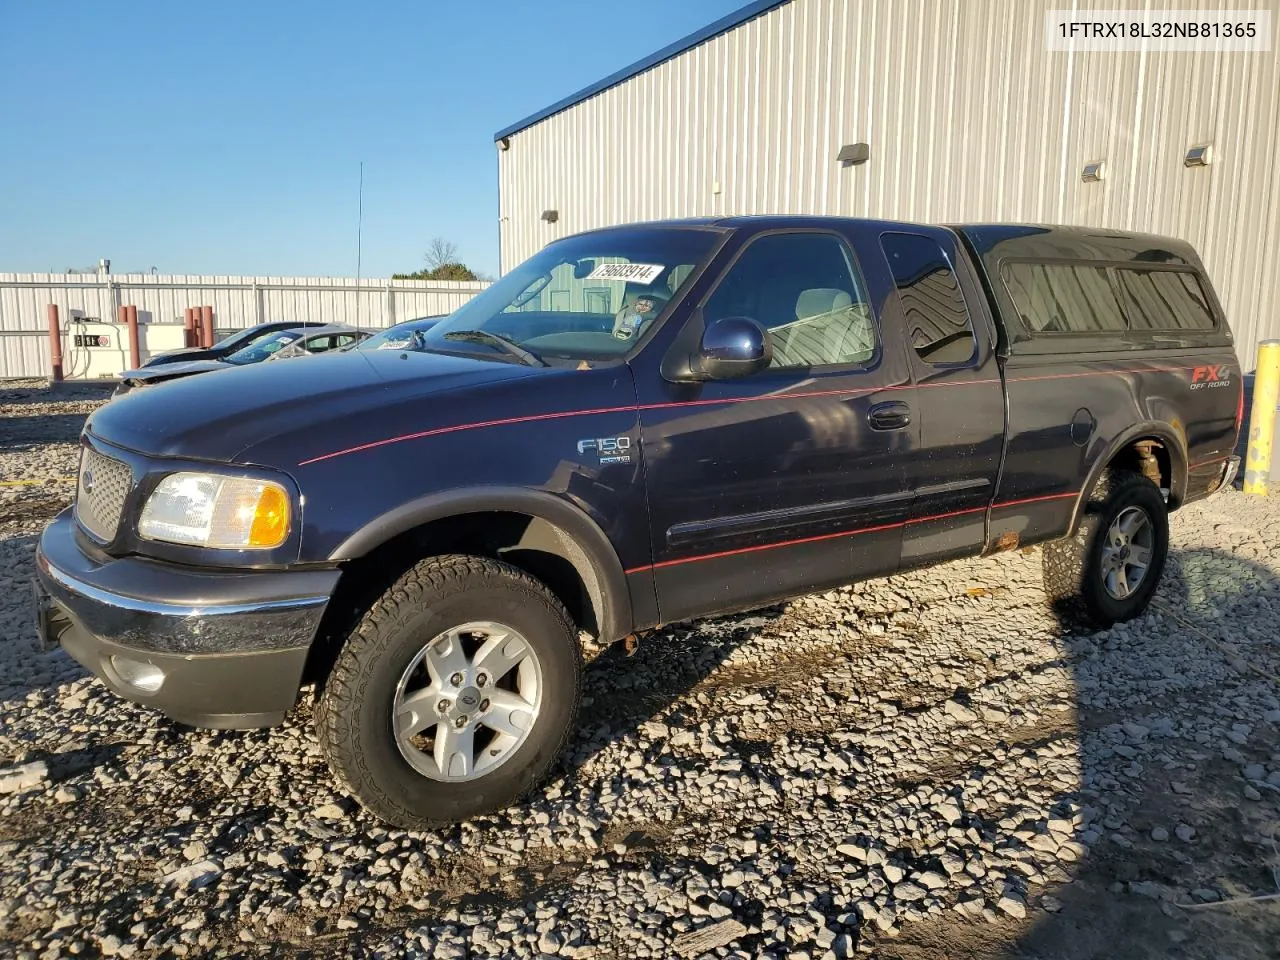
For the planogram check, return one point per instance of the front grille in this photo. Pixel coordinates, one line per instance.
(101, 490)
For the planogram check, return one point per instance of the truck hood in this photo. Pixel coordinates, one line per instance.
(182, 355)
(217, 418)
(171, 371)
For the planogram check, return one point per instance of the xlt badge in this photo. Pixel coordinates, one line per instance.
(608, 449)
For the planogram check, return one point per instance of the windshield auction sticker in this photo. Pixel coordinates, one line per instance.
(630, 272)
(1118, 31)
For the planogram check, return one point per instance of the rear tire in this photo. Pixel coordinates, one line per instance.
(1108, 572)
(443, 609)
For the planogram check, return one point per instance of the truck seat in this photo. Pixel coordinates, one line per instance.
(829, 328)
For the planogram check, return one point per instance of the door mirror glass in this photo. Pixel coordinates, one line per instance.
(733, 347)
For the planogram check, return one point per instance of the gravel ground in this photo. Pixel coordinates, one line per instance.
(928, 765)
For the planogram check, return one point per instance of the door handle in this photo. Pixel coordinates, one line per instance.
(893, 415)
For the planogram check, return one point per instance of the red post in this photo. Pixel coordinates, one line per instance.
(206, 327)
(55, 343)
(189, 328)
(135, 350)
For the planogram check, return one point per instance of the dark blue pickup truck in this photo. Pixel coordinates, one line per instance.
(639, 425)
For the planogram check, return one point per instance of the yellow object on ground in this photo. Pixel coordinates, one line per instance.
(1262, 418)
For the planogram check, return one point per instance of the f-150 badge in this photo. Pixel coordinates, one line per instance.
(608, 449)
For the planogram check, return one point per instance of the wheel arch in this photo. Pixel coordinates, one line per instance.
(556, 527)
(1170, 452)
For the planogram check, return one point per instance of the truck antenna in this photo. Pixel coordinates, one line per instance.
(359, 237)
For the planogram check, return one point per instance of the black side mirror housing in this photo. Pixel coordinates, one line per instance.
(732, 347)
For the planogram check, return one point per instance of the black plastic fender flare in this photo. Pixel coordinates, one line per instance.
(614, 615)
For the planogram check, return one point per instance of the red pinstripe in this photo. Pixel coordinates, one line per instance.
(636, 408)
(466, 426)
(766, 546)
(1204, 463)
(1097, 373)
(848, 533)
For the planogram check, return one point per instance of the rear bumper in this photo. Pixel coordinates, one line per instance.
(207, 648)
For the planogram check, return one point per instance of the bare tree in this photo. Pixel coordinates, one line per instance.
(442, 264)
(440, 252)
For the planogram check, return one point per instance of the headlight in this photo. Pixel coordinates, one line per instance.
(206, 510)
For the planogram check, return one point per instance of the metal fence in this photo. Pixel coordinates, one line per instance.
(237, 302)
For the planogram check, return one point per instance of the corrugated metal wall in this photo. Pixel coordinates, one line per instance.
(968, 118)
(237, 302)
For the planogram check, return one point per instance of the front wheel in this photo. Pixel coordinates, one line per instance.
(1109, 570)
(454, 695)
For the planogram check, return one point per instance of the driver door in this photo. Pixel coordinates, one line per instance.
(791, 479)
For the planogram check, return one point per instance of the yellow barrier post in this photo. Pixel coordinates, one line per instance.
(1262, 418)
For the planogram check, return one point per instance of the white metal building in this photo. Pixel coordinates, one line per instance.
(967, 117)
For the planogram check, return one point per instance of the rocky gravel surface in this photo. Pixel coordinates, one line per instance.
(922, 766)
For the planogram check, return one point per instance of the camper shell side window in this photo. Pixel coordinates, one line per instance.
(1116, 304)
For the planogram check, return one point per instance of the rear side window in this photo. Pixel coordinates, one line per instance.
(1165, 300)
(1063, 298)
(937, 320)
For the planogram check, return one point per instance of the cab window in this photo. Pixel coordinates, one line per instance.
(804, 289)
(319, 344)
(937, 320)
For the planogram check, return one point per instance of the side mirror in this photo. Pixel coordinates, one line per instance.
(732, 347)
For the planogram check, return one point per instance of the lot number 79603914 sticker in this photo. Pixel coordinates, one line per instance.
(644, 273)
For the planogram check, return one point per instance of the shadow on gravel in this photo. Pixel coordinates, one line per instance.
(66, 392)
(26, 433)
(40, 509)
(622, 692)
(24, 668)
(65, 764)
(14, 396)
(1207, 661)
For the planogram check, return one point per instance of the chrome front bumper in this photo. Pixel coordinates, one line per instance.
(208, 648)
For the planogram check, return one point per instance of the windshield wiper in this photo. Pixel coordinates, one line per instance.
(506, 344)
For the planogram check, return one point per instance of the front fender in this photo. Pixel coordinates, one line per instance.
(615, 615)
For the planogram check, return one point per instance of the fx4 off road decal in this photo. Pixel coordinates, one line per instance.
(1210, 376)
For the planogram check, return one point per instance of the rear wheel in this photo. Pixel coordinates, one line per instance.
(454, 695)
(1109, 570)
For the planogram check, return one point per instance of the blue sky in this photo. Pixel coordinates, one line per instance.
(226, 137)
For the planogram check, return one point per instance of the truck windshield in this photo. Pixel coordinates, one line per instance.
(587, 297)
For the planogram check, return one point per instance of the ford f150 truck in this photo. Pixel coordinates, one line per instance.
(639, 425)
